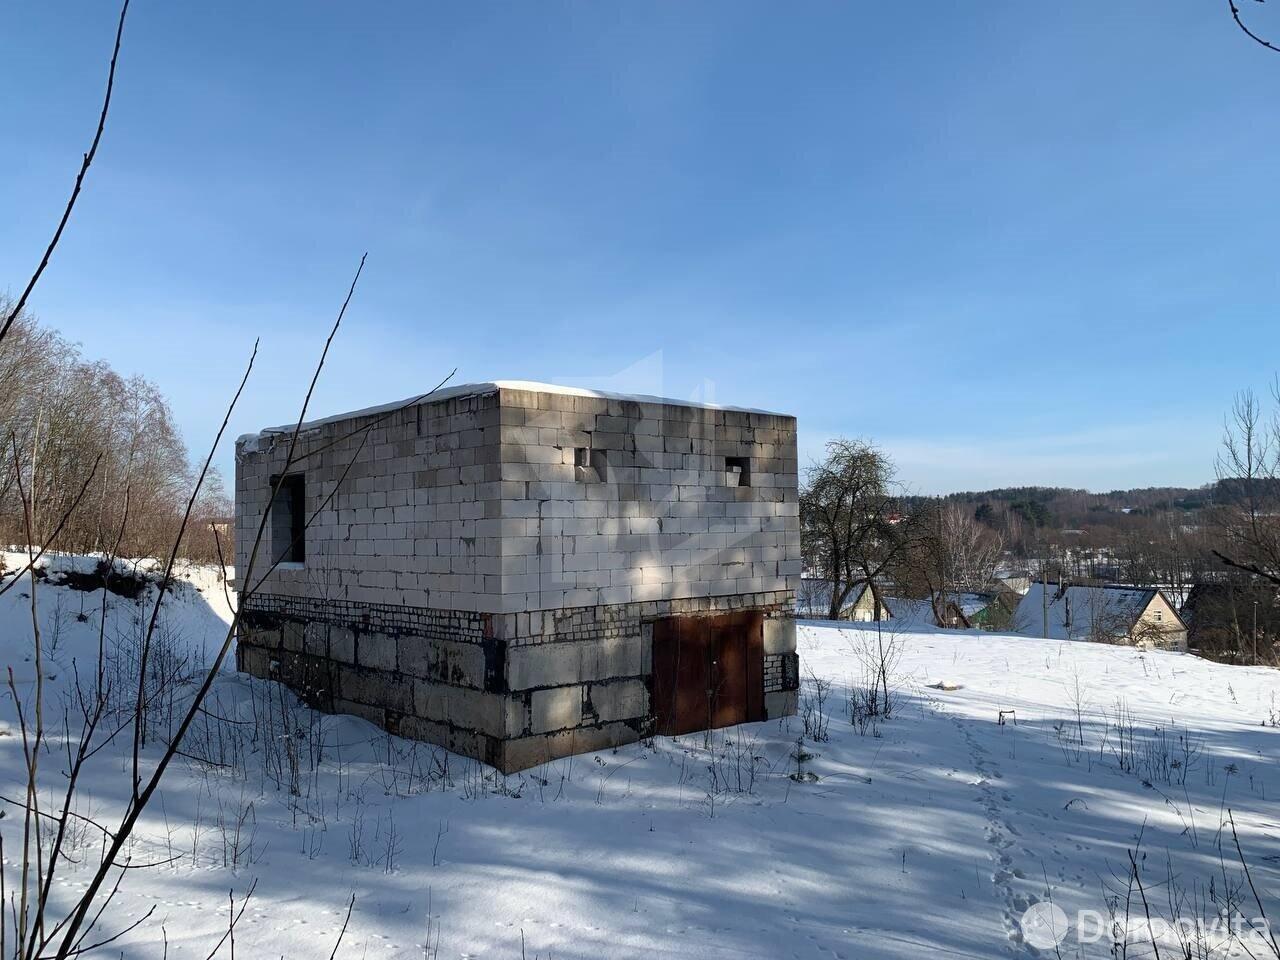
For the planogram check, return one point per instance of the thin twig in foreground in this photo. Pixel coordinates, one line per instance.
(75, 192)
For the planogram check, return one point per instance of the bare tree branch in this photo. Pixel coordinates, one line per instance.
(1247, 567)
(75, 193)
(74, 933)
(343, 932)
(138, 731)
(1235, 15)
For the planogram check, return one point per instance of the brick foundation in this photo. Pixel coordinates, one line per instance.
(490, 687)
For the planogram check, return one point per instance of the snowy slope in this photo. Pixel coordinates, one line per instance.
(926, 834)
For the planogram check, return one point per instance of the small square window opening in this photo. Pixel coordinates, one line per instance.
(590, 466)
(289, 519)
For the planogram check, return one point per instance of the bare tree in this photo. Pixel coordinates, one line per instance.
(968, 551)
(948, 552)
(69, 418)
(852, 527)
(1247, 507)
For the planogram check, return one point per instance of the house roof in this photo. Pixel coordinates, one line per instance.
(1081, 610)
(970, 604)
(908, 612)
(1013, 582)
(814, 600)
(911, 612)
(493, 386)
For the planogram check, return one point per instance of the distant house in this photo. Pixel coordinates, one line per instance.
(999, 606)
(958, 611)
(1233, 621)
(1105, 613)
(814, 600)
(865, 608)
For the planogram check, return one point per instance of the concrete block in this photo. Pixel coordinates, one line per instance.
(516, 709)
(457, 663)
(460, 707)
(374, 688)
(543, 665)
(614, 657)
(255, 661)
(469, 743)
(556, 709)
(315, 641)
(342, 644)
(524, 752)
(780, 703)
(375, 715)
(376, 650)
(268, 638)
(617, 700)
(292, 633)
(779, 635)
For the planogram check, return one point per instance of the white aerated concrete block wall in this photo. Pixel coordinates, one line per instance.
(484, 570)
(475, 503)
(663, 523)
(407, 507)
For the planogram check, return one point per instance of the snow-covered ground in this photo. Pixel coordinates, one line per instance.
(1013, 771)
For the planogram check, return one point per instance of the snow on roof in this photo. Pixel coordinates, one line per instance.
(911, 614)
(493, 386)
(916, 613)
(970, 604)
(814, 600)
(1081, 611)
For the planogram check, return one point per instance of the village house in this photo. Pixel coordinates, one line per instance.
(961, 611)
(952, 611)
(1106, 613)
(814, 601)
(864, 606)
(519, 571)
(1000, 605)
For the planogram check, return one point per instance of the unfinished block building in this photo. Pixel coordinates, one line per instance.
(519, 572)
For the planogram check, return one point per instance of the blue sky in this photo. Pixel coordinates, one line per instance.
(1011, 242)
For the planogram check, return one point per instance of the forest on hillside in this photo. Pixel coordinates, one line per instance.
(95, 454)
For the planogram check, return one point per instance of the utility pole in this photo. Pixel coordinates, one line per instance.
(1255, 631)
(1044, 595)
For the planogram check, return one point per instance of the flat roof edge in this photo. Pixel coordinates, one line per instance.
(494, 386)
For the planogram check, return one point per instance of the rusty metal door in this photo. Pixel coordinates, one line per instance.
(728, 672)
(681, 676)
(738, 665)
(707, 672)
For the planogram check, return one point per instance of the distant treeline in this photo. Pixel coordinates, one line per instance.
(74, 429)
(1059, 507)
